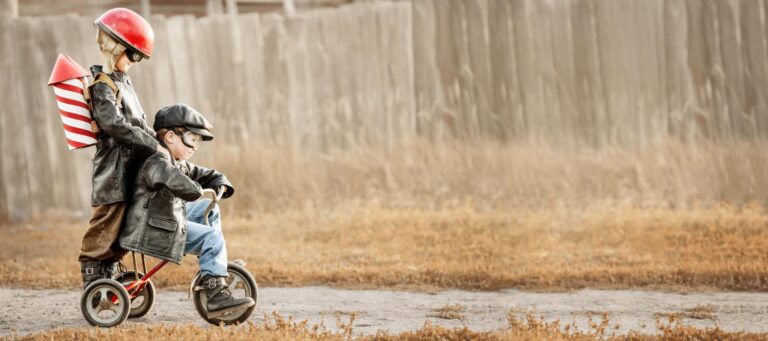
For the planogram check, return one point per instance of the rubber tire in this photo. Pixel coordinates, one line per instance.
(123, 297)
(148, 292)
(249, 281)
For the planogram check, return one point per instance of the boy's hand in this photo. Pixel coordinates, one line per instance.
(163, 150)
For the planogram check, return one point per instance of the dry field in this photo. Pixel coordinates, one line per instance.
(276, 327)
(428, 216)
(719, 247)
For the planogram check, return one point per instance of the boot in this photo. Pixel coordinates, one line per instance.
(220, 300)
(92, 271)
(110, 268)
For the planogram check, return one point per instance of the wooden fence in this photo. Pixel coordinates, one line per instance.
(574, 72)
(594, 73)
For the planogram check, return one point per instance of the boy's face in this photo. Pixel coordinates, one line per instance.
(123, 63)
(182, 146)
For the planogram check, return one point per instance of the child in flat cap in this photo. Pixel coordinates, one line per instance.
(164, 218)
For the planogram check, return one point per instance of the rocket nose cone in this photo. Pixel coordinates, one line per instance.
(66, 68)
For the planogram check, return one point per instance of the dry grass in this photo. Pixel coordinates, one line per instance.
(699, 312)
(719, 247)
(433, 175)
(449, 312)
(277, 327)
(484, 216)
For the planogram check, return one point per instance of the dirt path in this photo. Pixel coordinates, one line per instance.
(30, 311)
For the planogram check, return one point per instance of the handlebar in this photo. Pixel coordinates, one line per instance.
(215, 199)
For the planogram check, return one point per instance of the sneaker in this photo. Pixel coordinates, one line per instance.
(220, 300)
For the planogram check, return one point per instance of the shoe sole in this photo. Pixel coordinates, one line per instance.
(222, 312)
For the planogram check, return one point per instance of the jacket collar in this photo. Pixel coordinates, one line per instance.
(116, 75)
(169, 158)
(119, 76)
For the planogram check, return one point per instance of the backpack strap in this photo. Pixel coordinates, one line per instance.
(102, 77)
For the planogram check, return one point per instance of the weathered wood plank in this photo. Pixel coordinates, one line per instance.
(753, 33)
(506, 88)
(14, 122)
(252, 40)
(6, 63)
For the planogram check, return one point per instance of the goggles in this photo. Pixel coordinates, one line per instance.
(133, 55)
(190, 139)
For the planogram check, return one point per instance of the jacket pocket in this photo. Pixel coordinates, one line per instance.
(165, 224)
(160, 235)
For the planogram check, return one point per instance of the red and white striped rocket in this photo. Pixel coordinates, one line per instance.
(68, 80)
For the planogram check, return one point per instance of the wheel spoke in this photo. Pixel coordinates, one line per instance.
(235, 282)
(103, 292)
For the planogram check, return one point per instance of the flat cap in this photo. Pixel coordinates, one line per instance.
(182, 115)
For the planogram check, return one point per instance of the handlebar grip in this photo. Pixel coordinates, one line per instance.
(215, 198)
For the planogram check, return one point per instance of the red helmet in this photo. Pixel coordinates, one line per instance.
(129, 29)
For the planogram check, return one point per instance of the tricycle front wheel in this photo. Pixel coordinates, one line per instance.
(241, 284)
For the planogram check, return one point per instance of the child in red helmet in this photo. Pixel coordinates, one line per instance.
(124, 138)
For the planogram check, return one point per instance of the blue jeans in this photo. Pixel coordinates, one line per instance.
(206, 241)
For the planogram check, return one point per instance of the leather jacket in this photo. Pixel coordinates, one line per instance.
(124, 140)
(155, 221)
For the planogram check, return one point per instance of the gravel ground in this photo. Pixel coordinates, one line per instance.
(31, 311)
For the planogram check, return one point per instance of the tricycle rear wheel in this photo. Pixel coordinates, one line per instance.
(105, 303)
(144, 299)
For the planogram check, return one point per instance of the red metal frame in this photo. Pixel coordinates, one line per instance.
(140, 283)
(144, 279)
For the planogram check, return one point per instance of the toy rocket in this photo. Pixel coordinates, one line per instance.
(68, 80)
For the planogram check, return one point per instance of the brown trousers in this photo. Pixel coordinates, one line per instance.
(100, 242)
